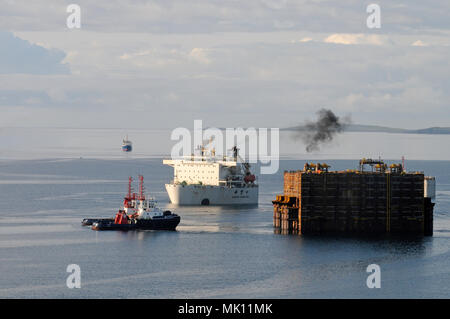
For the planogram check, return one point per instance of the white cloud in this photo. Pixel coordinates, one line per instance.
(206, 16)
(127, 56)
(176, 61)
(419, 43)
(345, 38)
(305, 39)
(200, 55)
(166, 56)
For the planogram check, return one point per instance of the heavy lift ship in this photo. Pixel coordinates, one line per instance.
(138, 212)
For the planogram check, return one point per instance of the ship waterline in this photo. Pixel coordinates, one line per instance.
(212, 195)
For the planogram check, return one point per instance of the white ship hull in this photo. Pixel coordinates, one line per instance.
(212, 195)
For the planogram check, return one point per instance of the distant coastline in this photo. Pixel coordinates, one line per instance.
(350, 128)
(382, 129)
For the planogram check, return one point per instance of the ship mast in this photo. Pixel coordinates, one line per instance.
(235, 152)
(141, 195)
(130, 188)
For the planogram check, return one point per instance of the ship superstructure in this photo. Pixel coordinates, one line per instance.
(206, 179)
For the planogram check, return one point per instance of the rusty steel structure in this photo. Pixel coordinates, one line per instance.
(383, 200)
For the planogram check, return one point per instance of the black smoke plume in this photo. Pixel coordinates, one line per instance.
(323, 130)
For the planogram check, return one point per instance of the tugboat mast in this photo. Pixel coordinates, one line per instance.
(141, 195)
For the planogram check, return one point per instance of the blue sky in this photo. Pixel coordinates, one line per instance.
(231, 63)
(21, 56)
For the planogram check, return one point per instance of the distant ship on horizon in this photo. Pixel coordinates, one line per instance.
(127, 146)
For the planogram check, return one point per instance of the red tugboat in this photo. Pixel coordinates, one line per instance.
(138, 212)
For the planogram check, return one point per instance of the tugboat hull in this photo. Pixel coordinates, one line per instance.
(164, 223)
(90, 221)
(138, 212)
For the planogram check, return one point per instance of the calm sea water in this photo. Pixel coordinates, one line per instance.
(215, 252)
